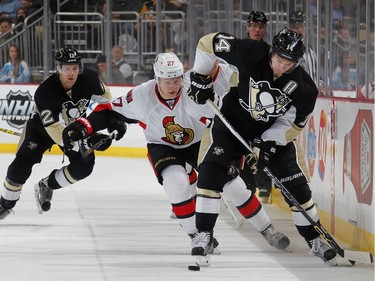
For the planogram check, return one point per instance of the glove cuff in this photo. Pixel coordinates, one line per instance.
(86, 124)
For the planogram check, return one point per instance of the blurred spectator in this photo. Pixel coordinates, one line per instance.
(20, 18)
(5, 30)
(345, 75)
(117, 77)
(126, 33)
(101, 63)
(341, 43)
(297, 23)
(119, 63)
(367, 92)
(176, 30)
(16, 70)
(256, 25)
(32, 6)
(95, 32)
(337, 17)
(9, 8)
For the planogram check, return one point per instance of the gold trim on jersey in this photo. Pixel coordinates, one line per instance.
(208, 193)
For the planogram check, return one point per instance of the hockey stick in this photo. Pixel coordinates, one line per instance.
(351, 256)
(10, 132)
(87, 151)
(237, 221)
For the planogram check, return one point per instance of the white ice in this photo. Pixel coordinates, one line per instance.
(115, 226)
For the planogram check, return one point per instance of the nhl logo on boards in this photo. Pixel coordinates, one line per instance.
(17, 108)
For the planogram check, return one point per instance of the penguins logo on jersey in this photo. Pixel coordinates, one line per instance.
(71, 111)
(265, 102)
(176, 134)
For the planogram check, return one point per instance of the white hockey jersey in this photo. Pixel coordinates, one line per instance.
(178, 125)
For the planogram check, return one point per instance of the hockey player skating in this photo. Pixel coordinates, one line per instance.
(269, 108)
(256, 29)
(59, 100)
(173, 126)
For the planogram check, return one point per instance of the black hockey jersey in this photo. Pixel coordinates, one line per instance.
(57, 107)
(260, 106)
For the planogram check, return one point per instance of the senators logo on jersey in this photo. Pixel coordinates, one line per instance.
(265, 102)
(176, 134)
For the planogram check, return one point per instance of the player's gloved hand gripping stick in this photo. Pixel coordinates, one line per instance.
(351, 256)
(81, 129)
(201, 88)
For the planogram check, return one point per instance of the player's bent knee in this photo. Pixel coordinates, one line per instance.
(212, 176)
(301, 193)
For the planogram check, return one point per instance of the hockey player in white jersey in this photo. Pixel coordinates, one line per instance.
(173, 126)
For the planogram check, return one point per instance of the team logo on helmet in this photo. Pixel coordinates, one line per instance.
(176, 134)
(265, 102)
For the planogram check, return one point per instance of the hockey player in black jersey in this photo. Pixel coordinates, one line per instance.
(60, 99)
(269, 108)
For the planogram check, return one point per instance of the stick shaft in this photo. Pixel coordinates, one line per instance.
(352, 256)
(10, 132)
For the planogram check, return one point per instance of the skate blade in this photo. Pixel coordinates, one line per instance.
(216, 252)
(332, 262)
(36, 193)
(203, 261)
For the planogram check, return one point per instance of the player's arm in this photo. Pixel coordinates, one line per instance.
(105, 97)
(112, 116)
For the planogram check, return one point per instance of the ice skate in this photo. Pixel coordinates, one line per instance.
(202, 248)
(322, 250)
(43, 195)
(216, 250)
(275, 238)
(5, 212)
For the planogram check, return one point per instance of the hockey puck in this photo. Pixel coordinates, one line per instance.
(194, 267)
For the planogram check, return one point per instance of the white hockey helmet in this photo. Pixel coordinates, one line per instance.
(167, 65)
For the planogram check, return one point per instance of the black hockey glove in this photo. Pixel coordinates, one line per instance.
(267, 150)
(249, 170)
(201, 88)
(79, 129)
(251, 161)
(119, 128)
(99, 141)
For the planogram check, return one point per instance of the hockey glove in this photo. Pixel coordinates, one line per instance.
(117, 126)
(79, 129)
(99, 141)
(267, 150)
(251, 161)
(201, 88)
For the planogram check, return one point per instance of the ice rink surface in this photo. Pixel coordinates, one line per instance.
(115, 226)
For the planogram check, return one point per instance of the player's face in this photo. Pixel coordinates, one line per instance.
(102, 67)
(280, 65)
(299, 28)
(68, 75)
(256, 30)
(170, 88)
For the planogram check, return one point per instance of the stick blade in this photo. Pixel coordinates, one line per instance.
(358, 257)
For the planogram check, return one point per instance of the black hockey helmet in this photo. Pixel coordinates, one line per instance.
(68, 56)
(288, 45)
(256, 16)
(297, 17)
